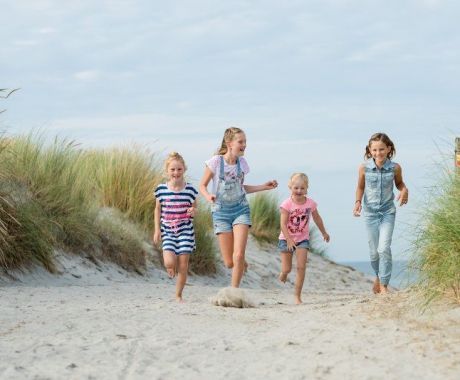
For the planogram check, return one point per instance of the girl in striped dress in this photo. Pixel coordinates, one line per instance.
(174, 210)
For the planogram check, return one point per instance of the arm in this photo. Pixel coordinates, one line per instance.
(403, 195)
(192, 210)
(207, 176)
(156, 230)
(284, 216)
(359, 192)
(319, 222)
(266, 186)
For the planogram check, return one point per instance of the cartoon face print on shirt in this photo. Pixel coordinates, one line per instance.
(298, 220)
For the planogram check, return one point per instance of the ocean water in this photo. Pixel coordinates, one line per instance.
(401, 276)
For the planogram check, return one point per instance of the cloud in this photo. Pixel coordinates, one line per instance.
(87, 75)
(385, 49)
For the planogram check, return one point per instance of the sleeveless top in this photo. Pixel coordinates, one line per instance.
(378, 189)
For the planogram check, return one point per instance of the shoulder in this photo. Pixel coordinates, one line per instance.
(286, 204)
(244, 165)
(212, 162)
(190, 188)
(311, 204)
(160, 190)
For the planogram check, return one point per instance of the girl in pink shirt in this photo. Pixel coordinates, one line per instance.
(295, 217)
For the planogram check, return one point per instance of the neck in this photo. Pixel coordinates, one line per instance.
(299, 198)
(230, 158)
(176, 183)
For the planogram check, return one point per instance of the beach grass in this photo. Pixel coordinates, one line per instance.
(265, 217)
(203, 260)
(436, 247)
(100, 202)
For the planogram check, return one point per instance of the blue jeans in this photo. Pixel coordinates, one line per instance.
(380, 231)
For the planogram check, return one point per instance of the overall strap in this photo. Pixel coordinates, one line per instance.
(221, 172)
(238, 167)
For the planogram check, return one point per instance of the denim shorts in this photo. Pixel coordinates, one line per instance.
(282, 245)
(224, 217)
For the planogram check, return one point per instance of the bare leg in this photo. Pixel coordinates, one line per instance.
(301, 255)
(182, 269)
(169, 259)
(286, 265)
(226, 248)
(240, 239)
(376, 286)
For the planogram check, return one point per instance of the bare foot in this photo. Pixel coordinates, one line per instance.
(384, 289)
(179, 299)
(298, 300)
(282, 277)
(376, 288)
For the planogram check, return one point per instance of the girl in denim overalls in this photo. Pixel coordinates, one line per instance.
(230, 208)
(375, 181)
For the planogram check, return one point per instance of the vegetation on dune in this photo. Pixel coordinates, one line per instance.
(436, 247)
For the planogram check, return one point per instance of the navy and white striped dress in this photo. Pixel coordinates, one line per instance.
(177, 233)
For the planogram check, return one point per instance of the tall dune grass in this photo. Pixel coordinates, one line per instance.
(57, 195)
(265, 217)
(203, 261)
(124, 178)
(436, 248)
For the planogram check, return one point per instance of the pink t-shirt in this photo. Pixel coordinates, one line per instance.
(298, 219)
(230, 171)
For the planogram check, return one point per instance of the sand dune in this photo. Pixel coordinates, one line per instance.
(99, 322)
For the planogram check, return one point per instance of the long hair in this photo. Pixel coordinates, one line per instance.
(229, 135)
(383, 138)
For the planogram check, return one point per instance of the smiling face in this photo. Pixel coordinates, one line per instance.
(379, 151)
(175, 171)
(237, 145)
(298, 188)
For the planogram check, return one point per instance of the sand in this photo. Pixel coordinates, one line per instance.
(100, 322)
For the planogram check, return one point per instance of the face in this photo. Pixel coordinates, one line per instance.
(237, 145)
(298, 187)
(175, 170)
(379, 150)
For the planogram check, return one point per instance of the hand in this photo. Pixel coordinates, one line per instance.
(191, 212)
(403, 197)
(211, 198)
(326, 237)
(271, 184)
(357, 209)
(156, 237)
(290, 244)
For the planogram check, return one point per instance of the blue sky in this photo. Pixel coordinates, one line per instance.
(309, 82)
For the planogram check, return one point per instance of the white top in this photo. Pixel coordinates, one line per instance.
(230, 171)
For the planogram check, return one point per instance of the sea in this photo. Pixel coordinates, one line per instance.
(401, 276)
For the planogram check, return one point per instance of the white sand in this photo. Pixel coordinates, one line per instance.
(102, 323)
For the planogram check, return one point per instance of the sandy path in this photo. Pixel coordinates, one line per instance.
(135, 331)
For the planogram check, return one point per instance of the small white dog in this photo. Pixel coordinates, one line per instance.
(231, 297)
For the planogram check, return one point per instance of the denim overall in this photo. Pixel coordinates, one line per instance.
(231, 206)
(379, 212)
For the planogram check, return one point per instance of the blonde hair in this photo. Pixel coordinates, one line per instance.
(229, 135)
(174, 156)
(302, 176)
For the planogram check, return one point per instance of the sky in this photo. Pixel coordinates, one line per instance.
(308, 81)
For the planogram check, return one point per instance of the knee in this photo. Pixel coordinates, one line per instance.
(301, 268)
(238, 256)
(228, 264)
